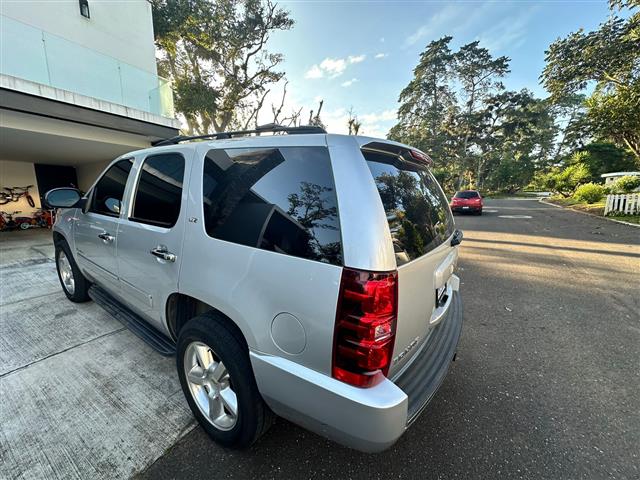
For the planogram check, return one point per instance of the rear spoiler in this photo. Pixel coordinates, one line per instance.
(407, 154)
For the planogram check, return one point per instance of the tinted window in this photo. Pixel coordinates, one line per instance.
(159, 193)
(466, 195)
(417, 210)
(108, 192)
(282, 200)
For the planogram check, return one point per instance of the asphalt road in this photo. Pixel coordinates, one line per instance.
(547, 379)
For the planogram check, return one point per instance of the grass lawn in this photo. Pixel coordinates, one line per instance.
(594, 208)
(626, 218)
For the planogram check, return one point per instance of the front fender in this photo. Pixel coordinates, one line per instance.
(65, 225)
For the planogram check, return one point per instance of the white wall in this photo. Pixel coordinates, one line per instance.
(19, 174)
(120, 29)
(88, 173)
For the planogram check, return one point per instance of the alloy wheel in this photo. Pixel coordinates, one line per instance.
(210, 386)
(66, 273)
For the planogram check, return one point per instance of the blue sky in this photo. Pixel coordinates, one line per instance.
(360, 54)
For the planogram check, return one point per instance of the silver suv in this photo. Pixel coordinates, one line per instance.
(304, 274)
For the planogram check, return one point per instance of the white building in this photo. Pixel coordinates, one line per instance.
(612, 177)
(78, 87)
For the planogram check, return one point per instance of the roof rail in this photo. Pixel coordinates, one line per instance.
(270, 127)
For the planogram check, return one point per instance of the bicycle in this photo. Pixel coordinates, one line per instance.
(40, 219)
(14, 194)
(9, 223)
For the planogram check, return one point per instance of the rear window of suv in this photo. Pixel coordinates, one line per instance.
(277, 199)
(417, 210)
(467, 194)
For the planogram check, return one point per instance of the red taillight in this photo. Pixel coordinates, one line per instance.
(365, 328)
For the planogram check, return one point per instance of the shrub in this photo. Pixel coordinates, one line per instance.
(626, 184)
(589, 192)
(565, 181)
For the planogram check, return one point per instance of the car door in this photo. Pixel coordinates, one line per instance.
(151, 234)
(96, 226)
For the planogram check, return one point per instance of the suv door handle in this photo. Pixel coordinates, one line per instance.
(106, 238)
(162, 252)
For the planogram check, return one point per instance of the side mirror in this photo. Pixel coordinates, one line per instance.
(63, 198)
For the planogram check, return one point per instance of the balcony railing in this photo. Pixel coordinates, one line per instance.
(32, 54)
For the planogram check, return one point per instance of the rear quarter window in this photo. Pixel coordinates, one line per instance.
(417, 211)
(277, 199)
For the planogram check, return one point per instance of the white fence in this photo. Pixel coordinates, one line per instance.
(628, 203)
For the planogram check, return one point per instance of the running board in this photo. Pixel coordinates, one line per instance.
(133, 322)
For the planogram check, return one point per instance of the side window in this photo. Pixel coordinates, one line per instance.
(159, 193)
(277, 199)
(108, 192)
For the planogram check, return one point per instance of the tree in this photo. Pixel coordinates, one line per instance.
(479, 75)
(569, 114)
(214, 52)
(441, 107)
(602, 158)
(427, 100)
(353, 123)
(610, 57)
(294, 119)
(564, 181)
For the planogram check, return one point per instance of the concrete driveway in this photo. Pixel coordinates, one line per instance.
(546, 385)
(80, 396)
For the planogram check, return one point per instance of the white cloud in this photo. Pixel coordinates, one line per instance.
(375, 124)
(314, 72)
(447, 15)
(510, 33)
(453, 19)
(333, 67)
(356, 58)
(384, 116)
(381, 55)
(348, 83)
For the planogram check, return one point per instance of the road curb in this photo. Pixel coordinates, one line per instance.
(541, 200)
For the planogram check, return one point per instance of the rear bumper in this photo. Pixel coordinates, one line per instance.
(465, 210)
(367, 419)
(421, 379)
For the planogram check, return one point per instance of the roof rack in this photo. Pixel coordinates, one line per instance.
(270, 127)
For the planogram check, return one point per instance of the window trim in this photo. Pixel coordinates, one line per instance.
(92, 190)
(134, 191)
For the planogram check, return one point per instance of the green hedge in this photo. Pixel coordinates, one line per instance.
(589, 193)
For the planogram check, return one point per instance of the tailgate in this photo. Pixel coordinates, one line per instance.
(421, 227)
(419, 283)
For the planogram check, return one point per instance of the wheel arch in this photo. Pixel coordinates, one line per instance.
(180, 308)
(59, 238)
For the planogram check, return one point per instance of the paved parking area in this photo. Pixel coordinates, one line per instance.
(547, 380)
(80, 396)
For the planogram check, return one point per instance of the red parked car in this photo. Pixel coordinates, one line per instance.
(467, 201)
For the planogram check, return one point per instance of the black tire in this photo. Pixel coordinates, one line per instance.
(479, 212)
(30, 201)
(82, 285)
(254, 417)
